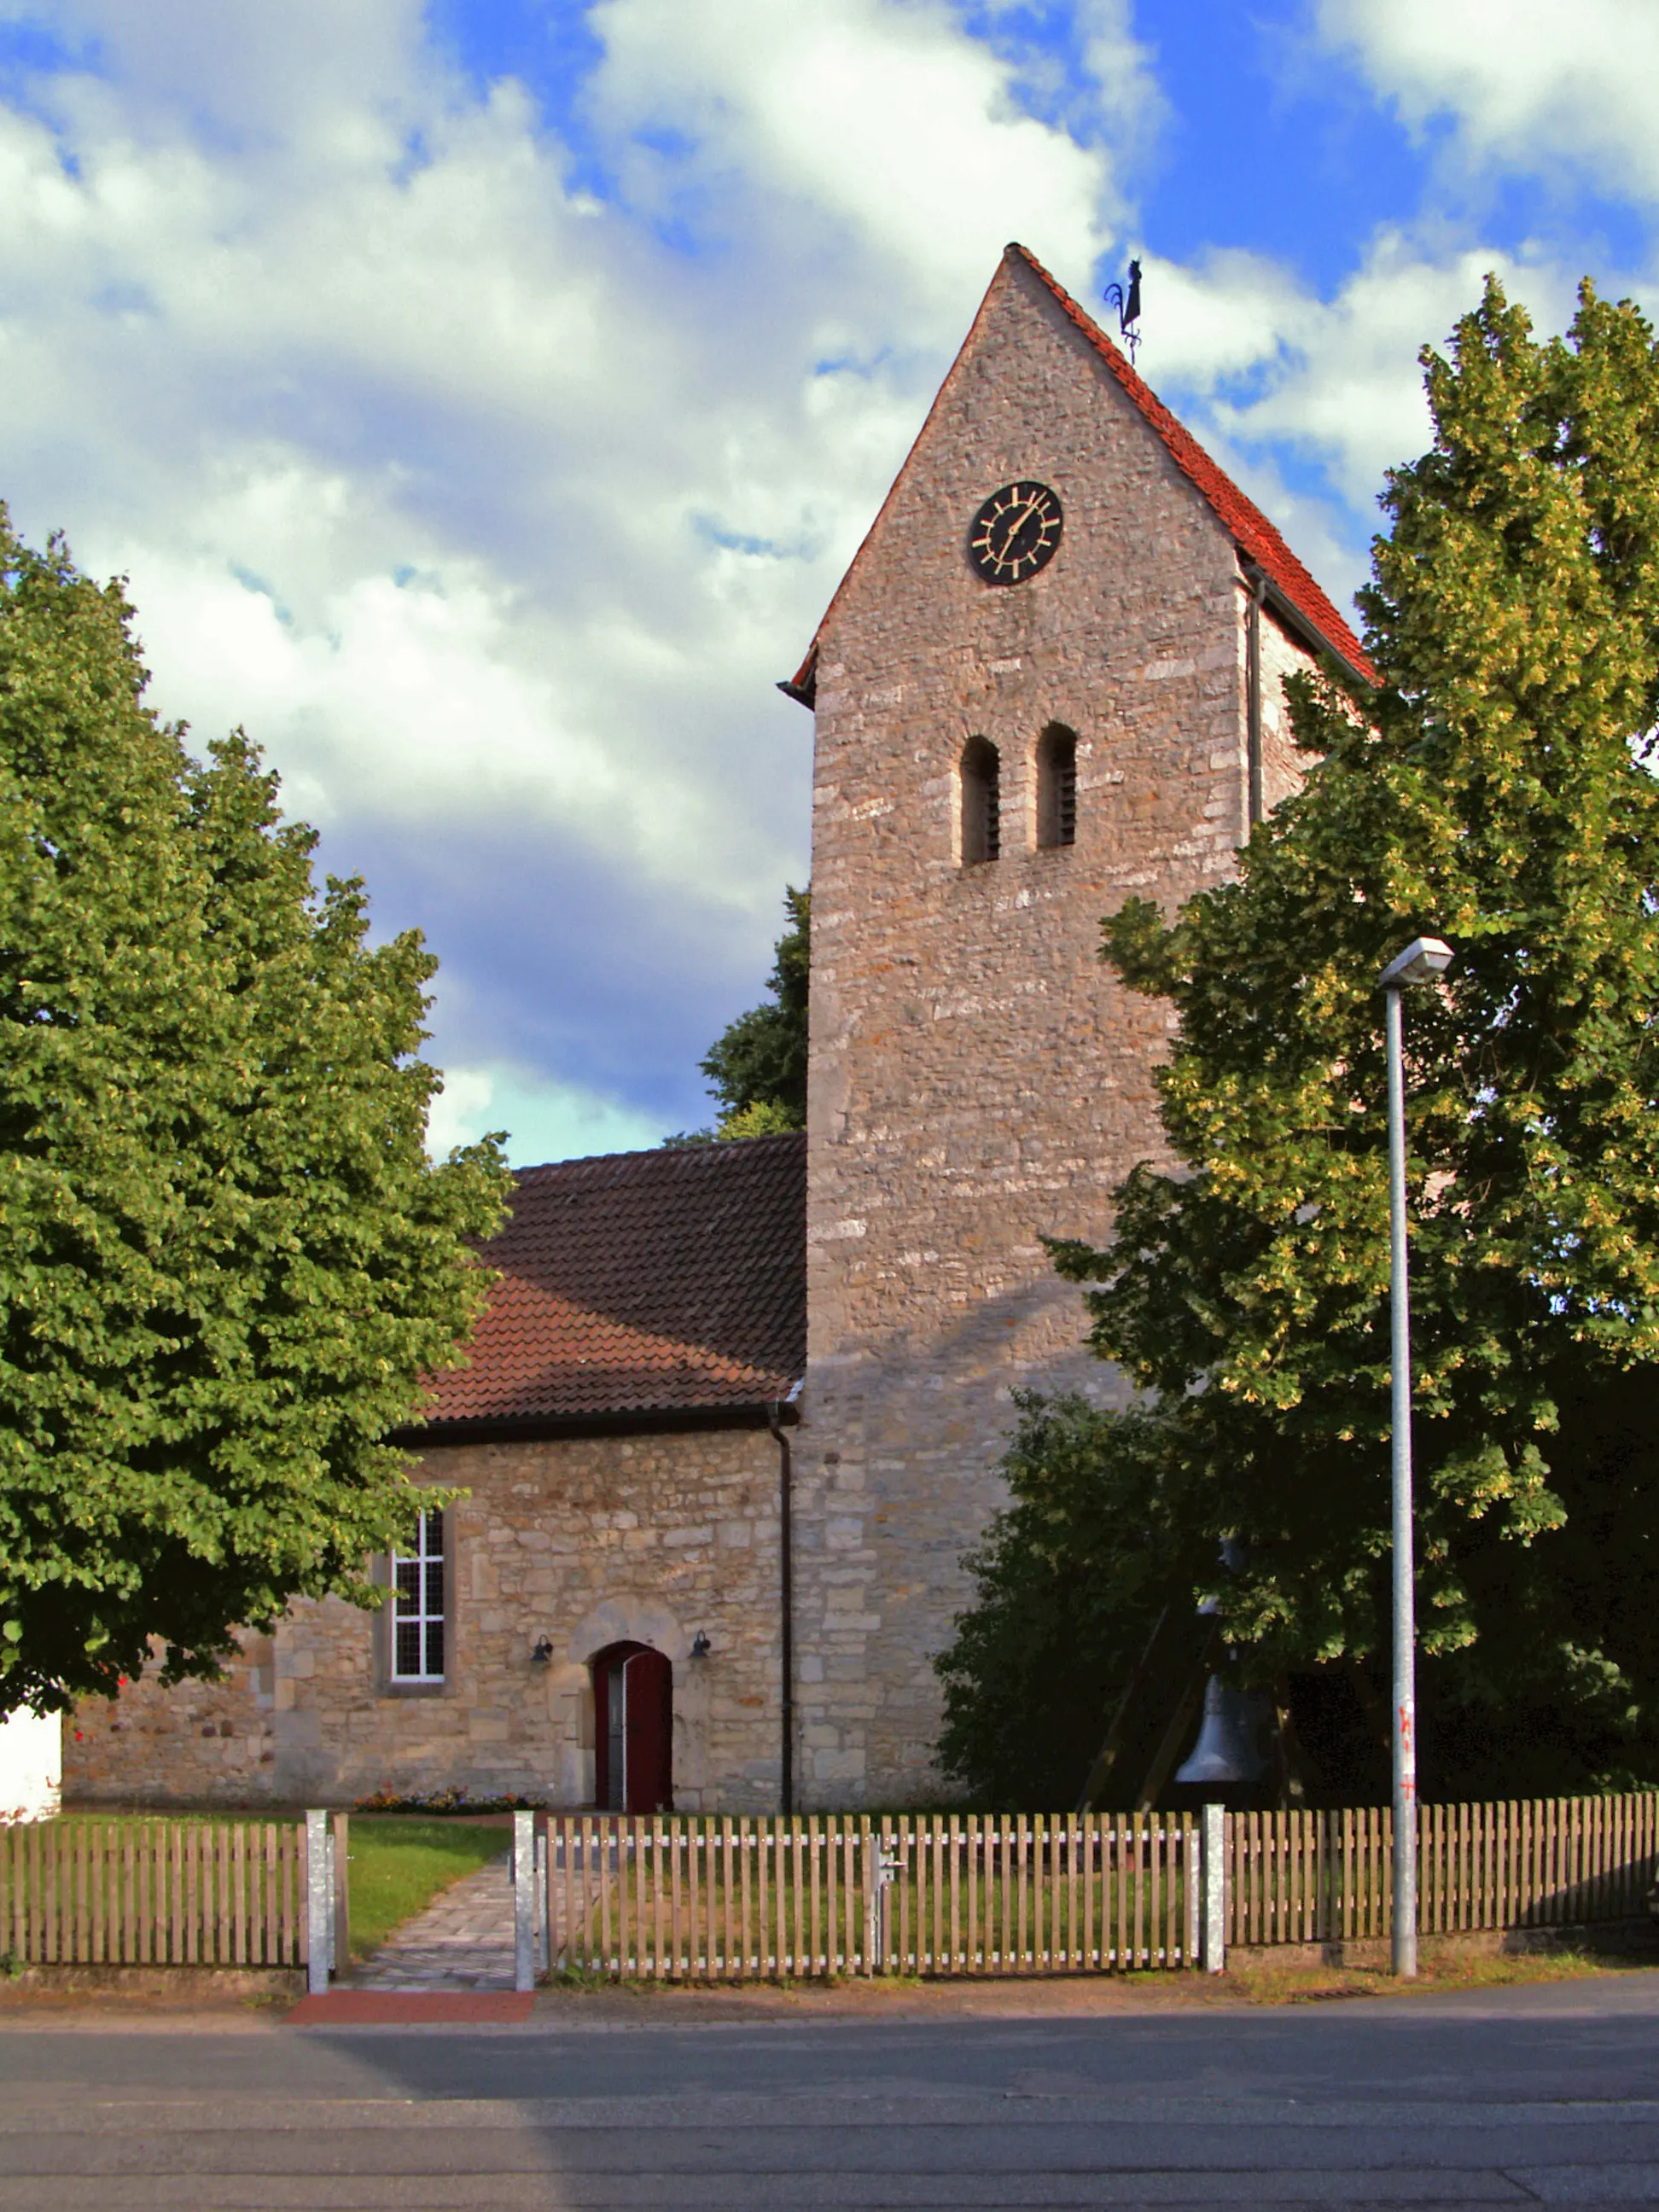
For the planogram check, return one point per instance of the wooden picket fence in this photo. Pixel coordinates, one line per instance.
(738, 1899)
(1537, 1862)
(154, 1893)
(730, 1899)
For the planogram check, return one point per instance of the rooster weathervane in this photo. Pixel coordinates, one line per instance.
(1128, 309)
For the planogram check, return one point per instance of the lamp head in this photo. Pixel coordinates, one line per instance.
(1423, 960)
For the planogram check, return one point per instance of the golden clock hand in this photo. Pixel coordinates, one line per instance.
(1019, 522)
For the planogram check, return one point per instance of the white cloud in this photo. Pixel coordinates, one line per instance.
(483, 503)
(494, 509)
(544, 1121)
(267, 73)
(1225, 315)
(1345, 377)
(1280, 373)
(1128, 97)
(880, 126)
(1528, 82)
(459, 1113)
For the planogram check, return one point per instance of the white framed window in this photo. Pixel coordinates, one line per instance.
(418, 1605)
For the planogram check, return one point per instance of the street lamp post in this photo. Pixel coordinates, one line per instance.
(1423, 960)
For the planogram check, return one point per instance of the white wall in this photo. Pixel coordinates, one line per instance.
(31, 1765)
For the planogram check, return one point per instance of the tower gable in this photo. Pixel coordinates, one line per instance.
(1297, 600)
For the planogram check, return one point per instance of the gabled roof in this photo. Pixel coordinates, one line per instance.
(1297, 596)
(667, 1283)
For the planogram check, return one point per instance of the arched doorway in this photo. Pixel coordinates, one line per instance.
(633, 1729)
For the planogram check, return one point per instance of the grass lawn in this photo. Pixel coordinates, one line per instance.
(398, 1865)
(1261, 1981)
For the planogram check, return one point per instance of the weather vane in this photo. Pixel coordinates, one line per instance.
(1128, 309)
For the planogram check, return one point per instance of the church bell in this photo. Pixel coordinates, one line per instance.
(1226, 1750)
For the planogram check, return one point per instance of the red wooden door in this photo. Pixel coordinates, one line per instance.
(633, 1729)
(649, 1683)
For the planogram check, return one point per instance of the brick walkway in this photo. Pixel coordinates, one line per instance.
(463, 1941)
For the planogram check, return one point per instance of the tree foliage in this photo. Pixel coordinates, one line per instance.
(756, 1067)
(225, 1262)
(1070, 1578)
(1494, 789)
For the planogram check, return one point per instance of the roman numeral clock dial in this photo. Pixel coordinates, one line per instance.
(1015, 533)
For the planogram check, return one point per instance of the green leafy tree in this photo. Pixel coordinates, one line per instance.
(1495, 789)
(756, 1067)
(1070, 1579)
(225, 1262)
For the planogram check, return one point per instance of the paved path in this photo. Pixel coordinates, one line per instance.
(463, 1941)
(1542, 2095)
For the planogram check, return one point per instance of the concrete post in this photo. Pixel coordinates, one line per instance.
(523, 1900)
(1212, 1940)
(320, 1903)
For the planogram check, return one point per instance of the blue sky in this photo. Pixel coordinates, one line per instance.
(485, 398)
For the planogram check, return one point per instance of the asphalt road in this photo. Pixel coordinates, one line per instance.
(1546, 2094)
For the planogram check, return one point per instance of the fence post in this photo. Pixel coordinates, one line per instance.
(873, 1903)
(544, 1901)
(886, 1868)
(879, 1865)
(339, 1875)
(870, 1848)
(1192, 1887)
(523, 1900)
(319, 1902)
(1213, 1940)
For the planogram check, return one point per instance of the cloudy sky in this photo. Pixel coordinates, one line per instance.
(483, 398)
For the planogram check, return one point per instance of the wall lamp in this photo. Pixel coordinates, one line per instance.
(700, 1647)
(543, 1653)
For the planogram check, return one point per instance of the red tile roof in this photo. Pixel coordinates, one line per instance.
(668, 1282)
(1255, 536)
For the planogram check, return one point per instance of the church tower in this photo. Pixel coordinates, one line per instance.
(1051, 678)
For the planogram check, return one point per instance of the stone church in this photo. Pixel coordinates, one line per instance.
(733, 1415)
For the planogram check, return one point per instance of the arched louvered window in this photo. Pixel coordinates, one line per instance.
(982, 802)
(1057, 791)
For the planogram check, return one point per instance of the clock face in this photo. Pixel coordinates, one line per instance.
(1015, 533)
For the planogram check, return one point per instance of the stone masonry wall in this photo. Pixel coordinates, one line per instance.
(978, 1079)
(585, 1542)
(1282, 765)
